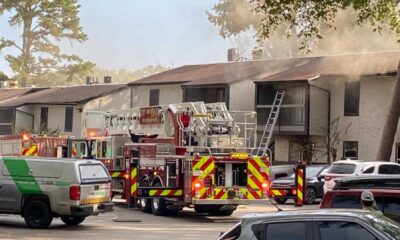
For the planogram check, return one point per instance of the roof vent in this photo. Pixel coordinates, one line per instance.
(107, 79)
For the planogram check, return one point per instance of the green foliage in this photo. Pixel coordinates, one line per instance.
(325, 27)
(3, 76)
(43, 24)
(307, 16)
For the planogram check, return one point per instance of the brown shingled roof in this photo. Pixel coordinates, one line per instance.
(11, 93)
(63, 95)
(277, 70)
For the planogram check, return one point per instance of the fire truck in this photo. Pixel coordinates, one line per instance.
(163, 158)
(31, 145)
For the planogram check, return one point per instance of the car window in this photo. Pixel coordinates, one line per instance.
(332, 230)
(389, 169)
(313, 171)
(233, 233)
(278, 231)
(391, 208)
(340, 201)
(342, 168)
(369, 170)
(93, 172)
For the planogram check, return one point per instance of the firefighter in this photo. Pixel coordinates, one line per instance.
(368, 201)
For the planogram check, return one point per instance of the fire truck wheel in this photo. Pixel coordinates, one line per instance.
(159, 205)
(72, 221)
(220, 212)
(280, 200)
(145, 203)
(201, 209)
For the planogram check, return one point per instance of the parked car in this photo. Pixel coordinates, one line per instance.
(40, 189)
(348, 168)
(281, 171)
(377, 181)
(324, 224)
(283, 189)
(347, 193)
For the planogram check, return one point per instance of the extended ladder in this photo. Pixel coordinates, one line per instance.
(271, 122)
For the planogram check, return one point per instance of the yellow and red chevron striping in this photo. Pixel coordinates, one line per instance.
(165, 193)
(300, 182)
(133, 181)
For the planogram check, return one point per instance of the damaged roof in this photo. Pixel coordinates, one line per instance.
(277, 70)
(11, 93)
(63, 95)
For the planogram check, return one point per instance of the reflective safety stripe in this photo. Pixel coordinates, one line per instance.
(165, 193)
(276, 192)
(133, 181)
(300, 182)
(30, 151)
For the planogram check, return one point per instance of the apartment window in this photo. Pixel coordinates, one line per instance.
(352, 98)
(69, 118)
(154, 97)
(350, 150)
(6, 121)
(44, 119)
(220, 95)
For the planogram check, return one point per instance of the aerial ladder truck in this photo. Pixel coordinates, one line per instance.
(163, 158)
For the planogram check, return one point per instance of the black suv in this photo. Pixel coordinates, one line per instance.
(283, 189)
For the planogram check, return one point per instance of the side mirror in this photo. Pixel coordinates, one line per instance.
(320, 177)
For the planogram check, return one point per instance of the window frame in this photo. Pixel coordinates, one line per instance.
(70, 124)
(44, 127)
(264, 225)
(351, 95)
(317, 235)
(343, 148)
(153, 102)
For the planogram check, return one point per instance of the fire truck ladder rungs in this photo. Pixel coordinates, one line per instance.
(271, 122)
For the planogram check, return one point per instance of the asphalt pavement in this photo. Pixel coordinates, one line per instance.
(133, 224)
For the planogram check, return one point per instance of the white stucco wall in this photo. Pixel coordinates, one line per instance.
(375, 97)
(115, 101)
(56, 118)
(242, 96)
(171, 93)
(319, 104)
(281, 148)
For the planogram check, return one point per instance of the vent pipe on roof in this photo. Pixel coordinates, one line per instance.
(107, 79)
(91, 80)
(233, 54)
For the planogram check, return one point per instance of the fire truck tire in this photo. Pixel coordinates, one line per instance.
(280, 200)
(159, 205)
(201, 209)
(221, 212)
(145, 203)
(72, 221)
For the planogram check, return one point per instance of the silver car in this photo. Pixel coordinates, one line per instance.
(327, 224)
(40, 189)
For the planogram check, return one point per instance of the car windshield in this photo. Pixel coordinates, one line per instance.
(311, 171)
(387, 226)
(342, 168)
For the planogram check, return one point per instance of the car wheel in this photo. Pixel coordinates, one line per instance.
(145, 203)
(280, 200)
(311, 196)
(72, 221)
(37, 214)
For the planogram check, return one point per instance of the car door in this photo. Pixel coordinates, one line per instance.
(343, 230)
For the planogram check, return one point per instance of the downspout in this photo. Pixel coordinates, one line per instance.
(310, 82)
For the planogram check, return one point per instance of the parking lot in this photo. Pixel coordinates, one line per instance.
(133, 224)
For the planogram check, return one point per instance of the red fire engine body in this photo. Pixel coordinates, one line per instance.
(186, 154)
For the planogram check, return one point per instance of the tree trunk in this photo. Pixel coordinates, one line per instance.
(392, 119)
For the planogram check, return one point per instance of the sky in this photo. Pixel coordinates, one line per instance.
(134, 33)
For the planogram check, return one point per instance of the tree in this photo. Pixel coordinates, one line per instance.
(311, 15)
(43, 23)
(333, 138)
(392, 119)
(236, 17)
(3, 76)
